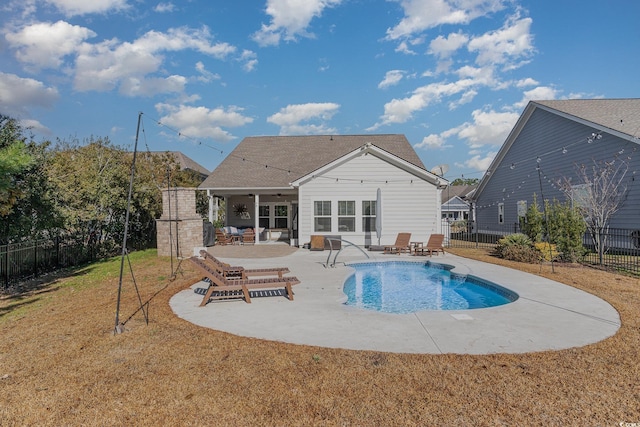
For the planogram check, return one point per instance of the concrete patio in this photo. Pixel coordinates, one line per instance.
(547, 316)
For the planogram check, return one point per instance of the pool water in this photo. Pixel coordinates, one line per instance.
(407, 287)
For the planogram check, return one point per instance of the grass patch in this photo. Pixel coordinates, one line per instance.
(61, 364)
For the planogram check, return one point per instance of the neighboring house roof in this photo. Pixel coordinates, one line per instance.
(276, 161)
(185, 162)
(620, 117)
(460, 191)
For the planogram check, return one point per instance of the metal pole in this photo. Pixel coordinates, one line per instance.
(118, 327)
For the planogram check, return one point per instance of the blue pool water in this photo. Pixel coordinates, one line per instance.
(407, 287)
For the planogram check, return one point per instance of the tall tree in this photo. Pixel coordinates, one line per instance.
(31, 208)
(599, 194)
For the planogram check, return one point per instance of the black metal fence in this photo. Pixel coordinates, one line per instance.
(621, 247)
(25, 260)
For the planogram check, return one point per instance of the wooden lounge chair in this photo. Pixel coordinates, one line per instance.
(435, 244)
(237, 272)
(222, 288)
(402, 244)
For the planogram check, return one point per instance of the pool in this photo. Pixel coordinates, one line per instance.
(407, 287)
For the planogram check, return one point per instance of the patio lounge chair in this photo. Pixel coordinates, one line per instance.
(222, 288)
(402, 244)
(237, 272)
(435, 244)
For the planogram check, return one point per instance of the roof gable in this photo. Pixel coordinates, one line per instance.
(619, 117)
(370, 149)
(275, 161)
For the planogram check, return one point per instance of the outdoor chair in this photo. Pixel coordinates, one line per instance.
(223, 238)
(222, 288)
(435, 244)
(402, 244)
(238, 272)
(249, 236)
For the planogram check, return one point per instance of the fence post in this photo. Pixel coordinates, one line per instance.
(35, 258)
(5, 269)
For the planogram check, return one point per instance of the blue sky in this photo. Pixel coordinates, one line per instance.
(451, 75)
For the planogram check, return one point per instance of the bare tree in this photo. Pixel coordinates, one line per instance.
(601, 192)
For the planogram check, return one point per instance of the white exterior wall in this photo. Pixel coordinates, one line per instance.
(406, 206)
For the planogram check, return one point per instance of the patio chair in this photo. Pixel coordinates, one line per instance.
(402, 244)
(223, 238)
(435, 244)
(237, 272)
(249, 236)
(222, 288)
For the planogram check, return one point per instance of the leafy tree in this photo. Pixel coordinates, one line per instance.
(31, 208)
(566, 228)
(14, 159)
(465, 181)
(533, 226)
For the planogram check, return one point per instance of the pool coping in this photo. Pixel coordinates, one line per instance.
(547, 315)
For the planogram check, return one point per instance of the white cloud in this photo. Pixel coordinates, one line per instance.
(290, 117)
(205, 75)
(202, 122)
(107, 65)
(44, 45)
(164, 7)
(537, 94)
(488, 128)
(432, 142)
(480, 163)
(401, 110)
(18, 94)
(506, 45)
(83, 7)
(421, 15)
(133, 86)
(526, 82)
(290, 19)
(391, 78)
(250, 60)
(444, 47)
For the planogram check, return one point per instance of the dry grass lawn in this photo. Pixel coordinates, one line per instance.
(61, 364)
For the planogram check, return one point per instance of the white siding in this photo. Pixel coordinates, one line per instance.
(409, 204)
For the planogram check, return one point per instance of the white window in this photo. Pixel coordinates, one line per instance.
(263, 220)
(322, 216)
(281, 216)
(368, 215)
(346, 216)
(522, 208)
(500, 213)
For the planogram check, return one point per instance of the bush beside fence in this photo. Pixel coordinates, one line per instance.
(622, 248)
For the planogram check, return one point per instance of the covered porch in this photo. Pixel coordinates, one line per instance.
(272, 214)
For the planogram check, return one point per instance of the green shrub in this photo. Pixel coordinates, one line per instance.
(517, 247)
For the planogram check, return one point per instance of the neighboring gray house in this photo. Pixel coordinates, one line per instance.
(299, 186)
(545, 148)
(456, 203)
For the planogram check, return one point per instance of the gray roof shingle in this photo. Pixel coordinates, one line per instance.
(622, 115)
(275, 161)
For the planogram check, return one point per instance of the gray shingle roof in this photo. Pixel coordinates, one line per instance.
(622, 115)
(275, 161)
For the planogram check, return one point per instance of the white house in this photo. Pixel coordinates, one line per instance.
(296, 187)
